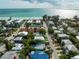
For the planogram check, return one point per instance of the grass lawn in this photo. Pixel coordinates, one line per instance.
(46, 38)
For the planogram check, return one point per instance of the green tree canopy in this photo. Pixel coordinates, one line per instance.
(42, 31)
(8, 44)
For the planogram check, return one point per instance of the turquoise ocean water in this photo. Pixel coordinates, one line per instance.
(22, 12)
(36, 12)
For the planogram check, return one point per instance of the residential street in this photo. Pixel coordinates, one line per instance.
(2, 47)
(54, 54)
(15, 33)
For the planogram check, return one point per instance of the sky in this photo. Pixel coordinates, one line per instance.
(62, 4)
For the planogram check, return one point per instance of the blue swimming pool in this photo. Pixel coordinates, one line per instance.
(38, 55)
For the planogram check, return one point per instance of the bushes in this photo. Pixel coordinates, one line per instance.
(45, 36)
(49, 52)
(8, 45)
(63, 56)
(71, 54)
(68, 55)
(27, 41)
(23, 53)
(1, 54)
(27, 24)
(1, 39)
(42, 31)
(58, 48)
(50, 30)
(77, 44)
(73, 38)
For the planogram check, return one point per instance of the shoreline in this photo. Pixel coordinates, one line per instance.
(6, 18)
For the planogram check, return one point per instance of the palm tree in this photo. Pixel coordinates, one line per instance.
(8, 45)
(45, 17)
(27, 48)
(75, 17)
(42, 31)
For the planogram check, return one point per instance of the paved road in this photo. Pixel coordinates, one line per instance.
(2, 47)
(15, 33)
(54, 54)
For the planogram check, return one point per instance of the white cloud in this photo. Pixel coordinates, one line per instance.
(69, 4)
(64, 4)
(25, 4)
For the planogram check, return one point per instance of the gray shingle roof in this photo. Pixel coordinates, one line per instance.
(9, 55)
